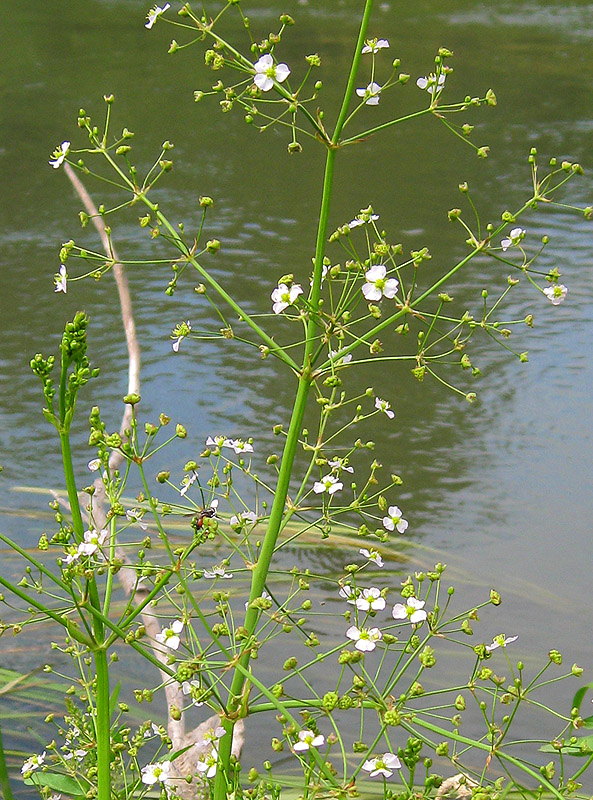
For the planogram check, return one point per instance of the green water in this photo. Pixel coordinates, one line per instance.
(502, 489)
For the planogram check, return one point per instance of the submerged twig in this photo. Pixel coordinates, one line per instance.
(186, 763)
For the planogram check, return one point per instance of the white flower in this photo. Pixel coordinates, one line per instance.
(59, 154)
(371, 94)
(377, 286)
(363, 217)
(349, 594)
(384, 406)
(180, 332)
(282, 296)
(78, 754)
(152, 16)
(266, 72)
(238, 520)
(187, 481)
(432, 84)
(94, 464)
(216, 441)
(556, 293)
(207, 763)
(411, 611)
(156, 773)
(170, 636)
(191, 688)
(370, 600)
(33, 763)
(264, 596)
(72, 556)
(374, 45)
(92, 541)
(395, 520)
(217, 572)
(61, 280)
(372, 555)
(513, 238)
(154, 730)
(365, 639)
(308, 739)
(324, 271)
(340, 361)
(135, 515)
(340, 463)
(329, 483)
(211, 736)
(382, 765)
(500, 641)
(238, 445)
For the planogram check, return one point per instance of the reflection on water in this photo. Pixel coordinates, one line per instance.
(501, 489)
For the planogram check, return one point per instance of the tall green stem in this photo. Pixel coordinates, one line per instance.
(260, 573)
(103, 726)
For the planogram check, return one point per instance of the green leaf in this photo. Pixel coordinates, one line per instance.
(584, 747)
(58, 783)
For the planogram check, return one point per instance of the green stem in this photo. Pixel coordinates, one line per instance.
(103, 726)
(260, 573)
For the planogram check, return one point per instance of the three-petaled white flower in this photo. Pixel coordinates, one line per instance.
(282, 296)
(385, 407)
(307, 739)
(156, 773)
(207, 763)
(365, 639)
(92, 540)
(135, 515)
(94, 464)
(374, 45)
(154, 13)
(500, 641)
(238, 520)
(216, 441)
(187, 481)
(340, 362)
(370, 94)
(191, 687)
(382, 765)
(59, 154)
(329, 483)
(370, 600)
(432, 84)
(556, 293)
(238, 445)
(365, 215)
(349, 593)
(513, 238)
(394, 520)
(170, 636)
(211, 737)
(266, 72)
(61, 280)
(180, 332)
(412, 611)
(217, 572)
(340, 464)
(33, 763)
(377, 285)
(372, 555)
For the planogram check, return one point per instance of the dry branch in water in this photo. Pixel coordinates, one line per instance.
(186, 763)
